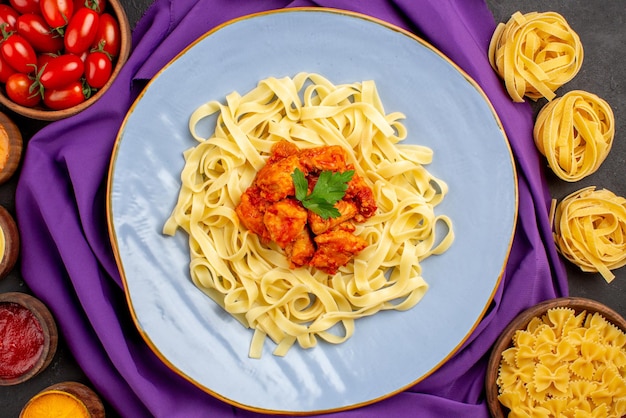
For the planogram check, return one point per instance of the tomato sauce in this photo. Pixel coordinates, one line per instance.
(21, 340)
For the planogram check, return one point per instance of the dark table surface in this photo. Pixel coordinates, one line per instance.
(600, 27)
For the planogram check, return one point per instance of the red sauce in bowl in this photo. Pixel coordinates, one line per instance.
(21, 340)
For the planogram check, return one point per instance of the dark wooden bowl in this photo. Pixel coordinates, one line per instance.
(43, 113)
(11, 242)
(76, 390)
(48, 326)
(10, 133)
(579, 305)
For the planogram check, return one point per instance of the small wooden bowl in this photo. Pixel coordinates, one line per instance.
(10, 236)
(77, 394)
(579, 305)
(43, 113)
(11, 138)
(50, 334)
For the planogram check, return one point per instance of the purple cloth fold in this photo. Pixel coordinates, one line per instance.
(67, 259)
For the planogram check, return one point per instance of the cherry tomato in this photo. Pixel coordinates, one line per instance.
(98, 68)
(64, 97)
(18, 53)
(57, 12)
(8, 16)
(81, 31)
(5, 70)
(61, 71)
(38, 33)
(108, 34)
(20, 89)
(97, 5)
(26, 6)
(43, 58)
(83, 55)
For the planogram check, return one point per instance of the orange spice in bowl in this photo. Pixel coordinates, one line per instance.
(9, 242)
(65, 399)
(28, 337)
(10, 147)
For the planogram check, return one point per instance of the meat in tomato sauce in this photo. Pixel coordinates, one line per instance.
(269, 208)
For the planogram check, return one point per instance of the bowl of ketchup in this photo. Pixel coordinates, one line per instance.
(28, 337)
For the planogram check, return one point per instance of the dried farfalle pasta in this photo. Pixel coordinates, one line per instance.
(575, 133)
(590, 230)
(563, 363)
(535, 54)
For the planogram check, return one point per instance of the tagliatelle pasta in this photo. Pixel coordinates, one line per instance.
(565, 364)
(575, 133)
(253, 281)
(590, 230)
(535, 54)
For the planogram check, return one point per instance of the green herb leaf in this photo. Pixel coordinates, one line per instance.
(300, 183)
(322, 208)
(329, 189)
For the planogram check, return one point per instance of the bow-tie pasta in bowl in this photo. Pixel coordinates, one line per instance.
(561, 358)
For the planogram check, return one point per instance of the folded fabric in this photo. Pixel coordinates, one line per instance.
(67, 259)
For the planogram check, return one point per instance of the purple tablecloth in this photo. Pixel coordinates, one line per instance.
(67, 260)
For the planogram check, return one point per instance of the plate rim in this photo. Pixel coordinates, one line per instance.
(116, 250)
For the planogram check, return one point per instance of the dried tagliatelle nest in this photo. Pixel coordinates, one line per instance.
(590, 230)
(575, 133)
(535, 54)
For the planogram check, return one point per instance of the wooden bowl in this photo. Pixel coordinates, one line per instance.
(579, 305)
(41, 112)
(10, 147)
(15, 301)
(77, 395)
(9, 241)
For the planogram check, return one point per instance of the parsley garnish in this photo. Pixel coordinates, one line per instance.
(329, 189)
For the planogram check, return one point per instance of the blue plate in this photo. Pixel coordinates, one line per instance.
(389, 351)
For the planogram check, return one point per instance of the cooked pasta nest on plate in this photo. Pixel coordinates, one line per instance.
(253, 281)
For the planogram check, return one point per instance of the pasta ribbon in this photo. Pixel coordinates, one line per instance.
(253, 281)
(590, 230)
(564, 369)
(575, 133)
(535, 54)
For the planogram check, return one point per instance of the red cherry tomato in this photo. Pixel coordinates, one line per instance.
(5, 70)
(61, 71)
(57, 12)
(18, 53)
(64, 97)
(20, 89)
(38, 33)
(96, 5)
(83, 55)
(8, 16)
(43, 58)
(26, 6)
(108, 34)
(81, 31)
(98, 68)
